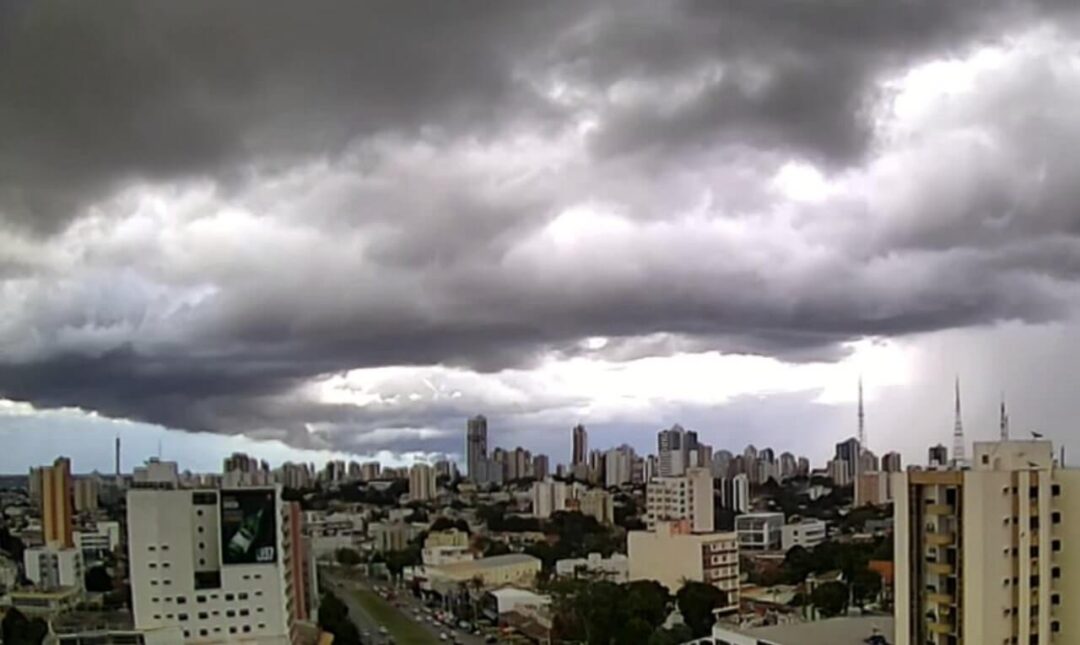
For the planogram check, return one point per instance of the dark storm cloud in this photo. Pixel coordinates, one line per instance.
(406, 176)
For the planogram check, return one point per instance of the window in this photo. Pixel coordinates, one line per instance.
(228, 597)
(202, 545)
(1055, 599)
(187, 634)
(262, 625)
(244, 612)
(247, 577)
(1055, 489)
(229, 613)
(1035, 522)
(258, 593)
(232, 630)
(151, 548)
(154, 599)
(153, 583)
(986, 459)
(1033, 551)
(1033, 492)
(166, 582)
(165, 565)
(200, 529)
(242, 596)
(1034, 581)
(164, 547)
(1055, 626)
(153, 565)
(202, 562)
(217, 630)
(259, 610)
(199, 512)
(1055, 573)
(157, 616)
(247, 628)
(181, 617)
(1055, 517)
(203, 632)
(181, 600)
(203, 615)
(200, 598)
(1055, 545)
(257, 576)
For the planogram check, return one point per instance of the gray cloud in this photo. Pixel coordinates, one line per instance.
(209, 207)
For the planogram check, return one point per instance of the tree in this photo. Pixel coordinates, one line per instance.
(648, 600)
(696, 601)
(830, 598)
(865, 586)
(348, 557)
(98, 579)
(443, 523)
(334, 618)
(16, 629)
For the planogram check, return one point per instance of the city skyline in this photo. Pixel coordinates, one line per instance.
(720, 222)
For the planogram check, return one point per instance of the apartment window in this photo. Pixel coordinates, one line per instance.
(203, 632)
(1055, 517)
(202, 562)
(200, 598)
(203, 615)
(247, 577)
(153, 599)
(1033, 492)
(157, 616)
(1055, 489)
(1035, 522)
(1055, 626)
(200, 529)
(228, 597)
(217, 630)
(986, 459)
(262, 625)
(1034, 581)
(244, 612)
(187, 634)
(181, 600)
(1034, 551)
(257, 576)
(258, 593)
(199, 512)
(258, 610)
(242, 596)
(1055, 545)
(229, 613)
(166, 582)
(1055, 573)
(181, 617)
(1055, 599)
(153, 565)
(153, 583)
(151, 548)
(232, 630)
(165, 565)
(247, 628)
(164, 547)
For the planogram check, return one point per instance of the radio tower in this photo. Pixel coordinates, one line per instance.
(1004, 420)
(958, 432)
(862, 420)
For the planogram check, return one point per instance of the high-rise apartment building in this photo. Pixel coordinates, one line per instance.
(849, 452)
(891, 462)
(689, 497)
(618, 466)
(580, 450)
(475, 445)
(421, 483)
(370, 470)
(548, 497)
(86, 490)
(598, 504)
(218, 564)
(673, 450)
(983, 554)
(735, 493)
(541, 467)
(56, 509)
(788, 466)
(672, 554)
(938, 456)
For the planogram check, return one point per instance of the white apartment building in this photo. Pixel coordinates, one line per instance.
(156, 474)
(94, 544)
(618, 466)
(216, 564)
(599, 504)
(51, 568)
(760, 531)
(688, 497)
(672, 554)
(807, 533)
(595, 567)
(735, 493)
(548, 497)
(421, 483)
(987, 554)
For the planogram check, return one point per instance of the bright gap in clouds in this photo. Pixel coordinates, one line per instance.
(592, 388)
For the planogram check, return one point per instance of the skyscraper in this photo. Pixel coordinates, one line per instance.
(475, 445)
(673, 450)
(421, 483)
(56, 504)
(890, 462)
(580, 453)
(849, 452)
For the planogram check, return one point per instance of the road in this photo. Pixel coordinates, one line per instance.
(346, 589)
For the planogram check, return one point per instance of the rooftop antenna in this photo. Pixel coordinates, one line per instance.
(862, 418)
(958, 432)
(1004, 420)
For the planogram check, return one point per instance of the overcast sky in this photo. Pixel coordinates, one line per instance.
(304, 229)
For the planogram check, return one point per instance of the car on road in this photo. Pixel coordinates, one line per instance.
(443, 637)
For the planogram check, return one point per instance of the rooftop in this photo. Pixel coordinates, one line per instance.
(845, 630)
(493, 562)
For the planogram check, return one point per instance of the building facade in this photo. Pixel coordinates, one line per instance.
(580, 448)
(421, 483)
(983, 555)
(52, 568)
(672, 554)
(215, 563)
(475, 445)
(735, 493)
(807, 533)
(674, 498)
(760, 531)
(57, 509)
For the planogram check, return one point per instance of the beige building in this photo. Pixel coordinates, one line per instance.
(86, 494)
(672, 554)
(56, 504)
(599, 504)
(449, 537)
(872, 488)
(689, 497)
(981, 553)
(512, 569)
(421, 483)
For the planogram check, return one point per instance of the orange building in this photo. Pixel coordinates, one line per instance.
(56, 504)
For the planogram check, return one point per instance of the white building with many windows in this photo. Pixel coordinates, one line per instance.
(689, 497)
(52, 568)
(807, 533)
(214, 563)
